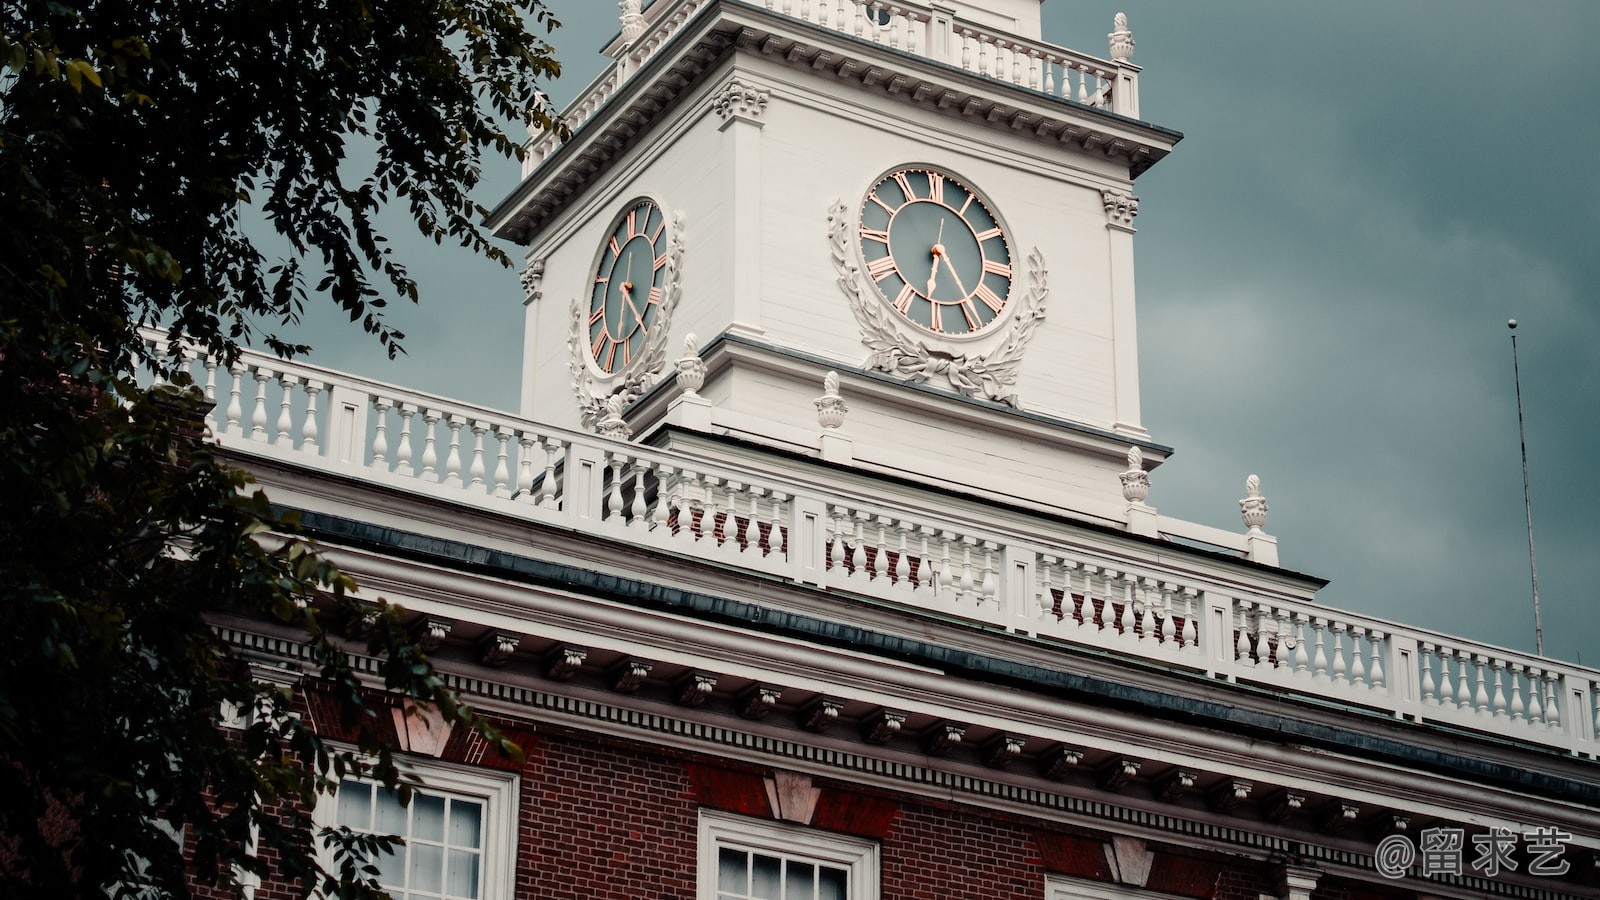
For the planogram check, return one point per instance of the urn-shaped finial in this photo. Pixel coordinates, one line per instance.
(830, 406)
(1253, 508)
(1121, 39)
(1135, 481)
(690, 368)
(613, 425)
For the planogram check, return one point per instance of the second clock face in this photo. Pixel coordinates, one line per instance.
(935, 251)
(629, 284)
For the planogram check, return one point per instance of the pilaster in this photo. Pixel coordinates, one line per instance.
(1120, 208)
(741, 104)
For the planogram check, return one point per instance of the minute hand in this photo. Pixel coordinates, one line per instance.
(954, 274)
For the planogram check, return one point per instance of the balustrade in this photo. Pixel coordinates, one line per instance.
(1045, 579)
(910, 28)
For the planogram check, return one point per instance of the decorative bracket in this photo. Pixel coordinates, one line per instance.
(740, 102)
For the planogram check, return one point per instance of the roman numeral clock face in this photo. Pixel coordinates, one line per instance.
(936, 252)
(629, 286)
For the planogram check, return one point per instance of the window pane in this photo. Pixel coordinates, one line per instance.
(391, 815)
(463, 881)
(767, 873)
(427, 817)
(732, 871)
(799, 881)
(355, 804)
(466, 823)
(427, 867)
(832, 884)
(392, 868)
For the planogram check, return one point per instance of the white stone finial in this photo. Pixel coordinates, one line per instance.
(1135, 481)
(690, 368)
(1121, 39)
(830, 406)
(613, 425)
(1253, 507)
(632, 21)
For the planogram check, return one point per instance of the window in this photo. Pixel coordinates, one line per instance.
(1058, 887)
(458, 832)
(747, 859)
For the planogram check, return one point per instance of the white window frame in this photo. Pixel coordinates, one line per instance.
(498, 791)
(860, 858)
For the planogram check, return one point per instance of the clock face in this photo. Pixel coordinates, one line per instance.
(629, 286)
(936, 252)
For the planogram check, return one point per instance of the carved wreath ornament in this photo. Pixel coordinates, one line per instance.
(989, 375)
(594, 391)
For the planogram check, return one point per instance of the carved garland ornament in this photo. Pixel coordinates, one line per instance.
(989, 375)
(591, 392)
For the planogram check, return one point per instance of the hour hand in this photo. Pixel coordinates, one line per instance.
(933, 274)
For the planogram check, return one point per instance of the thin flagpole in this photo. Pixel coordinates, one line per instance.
(1527, 498)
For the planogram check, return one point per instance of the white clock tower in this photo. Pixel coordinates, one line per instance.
(927, 200)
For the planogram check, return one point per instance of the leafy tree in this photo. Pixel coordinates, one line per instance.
(136, 139)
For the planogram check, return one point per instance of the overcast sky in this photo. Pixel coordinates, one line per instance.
(1366, 191)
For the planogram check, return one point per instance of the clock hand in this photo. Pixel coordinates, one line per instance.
(954, 274)
(938, 251)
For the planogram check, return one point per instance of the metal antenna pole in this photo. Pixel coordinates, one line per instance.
(1527, 499)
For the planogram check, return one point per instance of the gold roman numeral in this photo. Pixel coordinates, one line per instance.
(936, 187)
(902, 302)
(989, 298)
(905, 185)
(881, 268)
(991, 233)
(873, 234)
(996, 268)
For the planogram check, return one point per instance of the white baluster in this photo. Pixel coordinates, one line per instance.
(1498, 703)
(1168, 629)
(1339, 669)
(235, 411)
(452, 460)
(1552, 708)
(946, 575)
(1319, 660)
(614, 493)
(637, 512)
(402, 457)
(1519, 708)
(211, 393)
(983, 57)
(524, 489)
(1358, 666)
(430, 450)
(989, 585)
(858, 549)
(476, 470)
(1535, 697)
(1191, 629)
(1375, 641)
(1302, 666)
(1447, 687)
(1286, 642)
(258, 416)
(1241, 636)
(1033, 69)
(661, 513)
(1428, 697)
(502, 471)
(902, 565)
(308, 428)
(1049, 75)
(966, 50)
(548, 498)
(1463, 680)
(380, 435)
(1016, 65)
(285, 419)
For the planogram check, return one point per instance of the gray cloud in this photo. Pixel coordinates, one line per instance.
(1367, 190)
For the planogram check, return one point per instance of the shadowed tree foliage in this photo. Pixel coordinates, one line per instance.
(135, 141)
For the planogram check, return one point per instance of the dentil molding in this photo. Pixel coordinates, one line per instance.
(988, 375)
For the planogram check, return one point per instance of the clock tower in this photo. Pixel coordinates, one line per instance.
(929, 201)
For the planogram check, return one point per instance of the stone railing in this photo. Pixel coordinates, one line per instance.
(910, 28)
(1049, 580)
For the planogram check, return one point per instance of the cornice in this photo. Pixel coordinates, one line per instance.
(726, 27)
